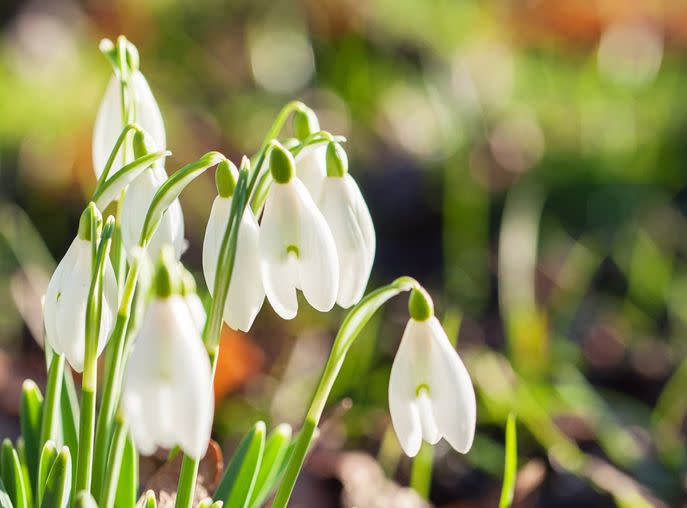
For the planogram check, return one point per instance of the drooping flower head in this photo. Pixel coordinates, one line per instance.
(430, 392)
(346, 213)
(139, 195)
(66, 299)
(246, 294)
(167, 395)
(109, 121)
(297, 250)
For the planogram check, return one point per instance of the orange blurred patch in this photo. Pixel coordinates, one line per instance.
(239, 359)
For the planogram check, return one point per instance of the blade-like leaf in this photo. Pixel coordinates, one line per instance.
(5, 501)
(150, 501)
(59, 482)
(127, 488)
(30, 416)
(48, 457)
(26, 479)
(84, 499)
(12, 475)
(171, 189)
(510, 469)
(50, 418)
(109, 191)
(236, 486)
(69, 412)
(276, 450)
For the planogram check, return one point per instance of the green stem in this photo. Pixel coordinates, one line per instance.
(114, 465)
(113, 155)
(86, 425)
(421, 470)
(354, 322)
(113, 377)
(51, 405)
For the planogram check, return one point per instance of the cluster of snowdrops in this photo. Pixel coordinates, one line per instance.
(291, 218)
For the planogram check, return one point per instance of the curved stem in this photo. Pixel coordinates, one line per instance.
(113, 154)
(354, 322)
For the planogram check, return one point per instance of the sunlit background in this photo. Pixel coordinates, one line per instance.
(525, 160)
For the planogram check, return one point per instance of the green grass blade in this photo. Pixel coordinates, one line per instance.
(5, 501)
(50, 420)
(127, 488)
(12, 475)
(236, 486)
(28, 485)
(30, 417)
(59, 483)
(510, 469)
(47, 459)
(271, 465)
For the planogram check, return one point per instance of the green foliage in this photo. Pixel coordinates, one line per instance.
(30, 417)
(510, 467)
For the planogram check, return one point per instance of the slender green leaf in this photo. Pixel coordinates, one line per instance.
(170, 190)
(237, 484)
(114, 465)
(26, 478)
(127, 489)
(12, 475)
(271, 465)
(5, 501)
(110, 190)
(50, 418)
(150, 501)
(69, 413)
(510, 469)
(59, 482)
(30, 416)
(84, 499)
(48, 457)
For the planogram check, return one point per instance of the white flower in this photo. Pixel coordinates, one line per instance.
(430, 391)
(138, 197)
(246, 293)
(109, 124)
(346, 213)
(64, 308)
(297, 250)
(167, 395)
(311, 167)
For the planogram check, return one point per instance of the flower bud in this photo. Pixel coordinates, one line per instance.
(282, 165)
(226, 175)
(305, 122)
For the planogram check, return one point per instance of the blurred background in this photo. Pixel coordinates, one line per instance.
(525, 160)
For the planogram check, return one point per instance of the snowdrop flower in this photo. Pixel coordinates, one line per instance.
(137, 200)
(246, 293)
(311, 166)
(167, 394)
(430, 391)
(64, 307)
(297, 250)
(109, 122)
(346, 213)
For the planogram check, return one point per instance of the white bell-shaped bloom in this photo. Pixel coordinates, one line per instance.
(430, 392)
(246, 293)
(109, 123)
(64, 307)
(297, 250)
(138, 197)
(167, 393)
(348, 217)
(311, 167)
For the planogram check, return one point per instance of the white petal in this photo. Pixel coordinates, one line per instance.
(148, 114)
(71, 307)
(318, 264)
(430, 432)
(109, 305)
(192, 387)
(195, 307)
(278, 231)
(54, 293)
(138, 197)
(403, 407)
(246, 293)
(108, 126)
(347, 215)
(311, 167)
(451, 391)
